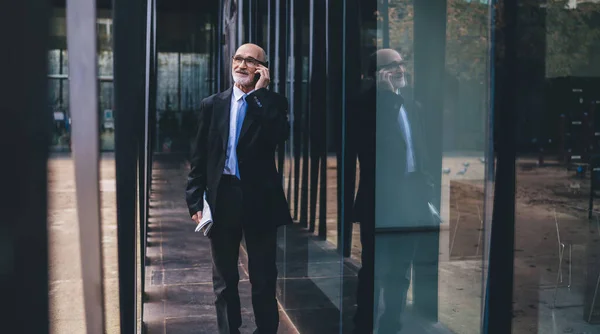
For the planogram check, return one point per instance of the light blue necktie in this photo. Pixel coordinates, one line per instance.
(240, 120)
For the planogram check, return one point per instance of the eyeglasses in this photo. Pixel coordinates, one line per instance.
(393, 65)
(250, 62)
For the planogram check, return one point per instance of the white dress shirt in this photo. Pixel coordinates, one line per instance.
(231, 162)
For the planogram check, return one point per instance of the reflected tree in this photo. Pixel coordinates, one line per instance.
(571, 30)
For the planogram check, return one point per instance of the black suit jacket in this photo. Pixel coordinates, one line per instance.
(265, 126)
(374, 136)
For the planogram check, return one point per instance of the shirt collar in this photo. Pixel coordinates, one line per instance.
(238, 93)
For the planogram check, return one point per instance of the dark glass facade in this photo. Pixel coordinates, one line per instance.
(344, 180)
(442, 166)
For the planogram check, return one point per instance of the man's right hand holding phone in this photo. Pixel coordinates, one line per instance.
(265, 79)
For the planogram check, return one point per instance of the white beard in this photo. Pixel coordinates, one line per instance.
(401, 83)
(240, 80)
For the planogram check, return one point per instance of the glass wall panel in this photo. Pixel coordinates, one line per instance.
(105, 63)
(65, 280)
(168, 81)
(58, 76)
(183, 80)
(417, 130)
(186, 71)
(107, 121)
(557, 229)
(54, 61)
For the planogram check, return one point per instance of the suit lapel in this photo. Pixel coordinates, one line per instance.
(222, 113)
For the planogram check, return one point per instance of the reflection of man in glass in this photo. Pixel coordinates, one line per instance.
(393, 193)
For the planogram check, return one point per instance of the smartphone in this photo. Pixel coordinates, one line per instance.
(257, 75)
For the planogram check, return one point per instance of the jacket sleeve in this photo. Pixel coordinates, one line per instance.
(196, 180)
(275, 116)
(281, 124)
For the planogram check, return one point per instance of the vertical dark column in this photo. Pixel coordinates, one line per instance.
(498, 315)
(249, 21)
(259, 8)
(129, 36)
(282, 54)
(26, 124)
(212, 41)
(291, 78)
(312, 78)
(429, 64)
(303, 123)
(152, 103)
(304, 192)
(326, 118)
(145, 176)
(357, 19)
(153, 91)
(317, 108)
(281, 44)
(298, 21)
(272, 15)
(219, 42)
(319, 93)
(230, 33)
(335, 95)
(141, 172)
(347, 27)
(324, 144)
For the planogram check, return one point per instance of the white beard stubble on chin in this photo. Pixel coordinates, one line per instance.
(400, 83)
(243, 81)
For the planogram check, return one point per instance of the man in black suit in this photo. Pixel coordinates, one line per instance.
(386, 136)
(233, 163)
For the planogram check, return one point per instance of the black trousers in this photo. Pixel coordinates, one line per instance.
(232, 221)
(387, 260)
(365, 297)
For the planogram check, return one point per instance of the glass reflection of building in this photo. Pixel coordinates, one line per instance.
(319, 54)
(184, 76)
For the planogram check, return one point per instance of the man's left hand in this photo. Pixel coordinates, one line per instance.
(265, 79)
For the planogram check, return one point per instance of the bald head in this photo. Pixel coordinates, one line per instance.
(252, 50)
(386, 57)
(387, 66)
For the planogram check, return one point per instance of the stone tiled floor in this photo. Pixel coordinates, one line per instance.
(66, 290)
(313, 296)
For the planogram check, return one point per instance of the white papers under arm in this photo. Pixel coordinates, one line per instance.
(206, 222)
(435, 214)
